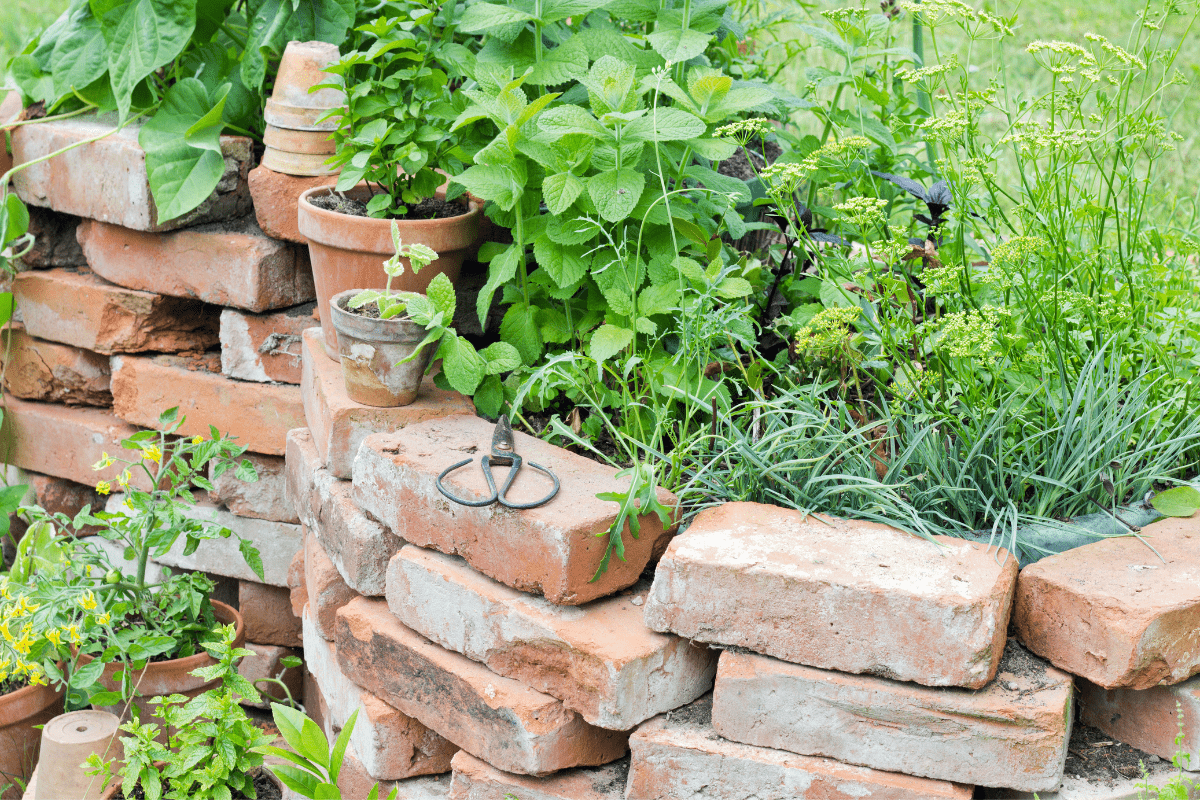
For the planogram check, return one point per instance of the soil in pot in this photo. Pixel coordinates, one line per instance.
(20, 710)
(429, 208)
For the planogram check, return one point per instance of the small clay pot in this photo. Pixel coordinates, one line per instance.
(160, 678)
(317, 143)
(371, 350)
(298, 165)
(20, 741)
(291, 105)
(348, 252)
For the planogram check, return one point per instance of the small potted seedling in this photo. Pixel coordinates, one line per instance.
(386, 339)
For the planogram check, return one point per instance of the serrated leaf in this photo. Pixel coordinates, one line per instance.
(1182, 501)
(608, 340)
(716, 150)
(481, 17)
(616, 192)
(567, 62)
(690, 268)
(251, 555)
(500, 271)
(489, 397)
(141, 36)
(663, 125)
(441, 292)
(495, 182)
(560, 191)
(661, 299)
(565, 120)
(519, 328)
(679, 44)
(732, 288)
(562, 263)
(501, 357)
(718, 182)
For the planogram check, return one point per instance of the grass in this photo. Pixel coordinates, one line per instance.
(21, 19)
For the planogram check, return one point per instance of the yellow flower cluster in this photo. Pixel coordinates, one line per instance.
(17, 638)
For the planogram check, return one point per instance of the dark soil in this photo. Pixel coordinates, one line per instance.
(1096, 757)
(1021, 663)
(429, 208)
(369, 310)
(538, 422)
(738, 166)
(12, 685)
(264, 788)
(612, 778)
(697, 714)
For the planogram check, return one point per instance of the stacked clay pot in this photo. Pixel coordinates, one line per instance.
(297, 136)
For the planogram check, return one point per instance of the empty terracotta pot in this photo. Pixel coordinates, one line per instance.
(291, 105)
(20, 741)
(347, 252)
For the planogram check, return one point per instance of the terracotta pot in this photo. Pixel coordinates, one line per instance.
(20, 741)
(348, 252)
(298, 165)
(371, 350)
(291, 105)
(288, 141)
(169, 677)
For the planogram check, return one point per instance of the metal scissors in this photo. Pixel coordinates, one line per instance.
(504, 455)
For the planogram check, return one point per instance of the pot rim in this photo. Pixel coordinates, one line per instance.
(383, 226)
(359, 327)
(28, 700)
(196, 659)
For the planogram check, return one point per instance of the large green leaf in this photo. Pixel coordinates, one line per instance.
(501, 270)
(141, 36)
(80, 57)
(183, 148)
(567, 62)
(663, 125)
(274, 23)
(560, 190)
(679, 44)
(519, 328)
(480, 17)
(616, 192)
(463, 365)
(1182, 501)
(608, 340)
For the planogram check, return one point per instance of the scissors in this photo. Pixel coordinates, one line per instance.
(504, 455)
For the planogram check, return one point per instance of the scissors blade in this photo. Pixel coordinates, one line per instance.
(503, 445)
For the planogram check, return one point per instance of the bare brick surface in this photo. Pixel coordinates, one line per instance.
(599, 659)
(267, 611)
(61, 496)
(275, 197)
(35, 433)
(358, 546)
(679, 756)
(553, 550)
(55, 373)
(1113, 612)
(264, 347)
(326, 590)
(500, 720)
(1148, 719)
(850, 596)
(265, 498)
(479, 780)
(74, 306)
(267, 663)
(258, 415)
(339, 424)
(297, 588)
(106, 180)
(228, 264)
(1012, 733)
(392, 745)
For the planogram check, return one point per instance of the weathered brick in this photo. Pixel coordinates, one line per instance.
(259, 415)
(297, 588)
(264, 347)
(1148, 719)
(277, 543)
(275, 197)
(54, 242)
(500, 720)
(61, 496)
(35, 435)
(850, 596)
(106, 180)
(678, 755)
(267, 611)
(226, 263)
(599, 659)
(10, 111)
(265, 498)
(392, 745)
(267, 663)
(358, 546)
(326, 590)
(1113, 612)
(74, 306)
(479, 780)
(339, 424)
(553, 550)
(1011, 733)
(55, 373)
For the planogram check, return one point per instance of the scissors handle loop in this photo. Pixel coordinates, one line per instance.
(500, 496)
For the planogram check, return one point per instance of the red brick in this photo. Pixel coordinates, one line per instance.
(75, 307)
(678, 755)
(106, 180)
(264, 347)
(849, 596)
(10, 109)
(267, 611)
(266, 663)
(339, 424)
(258, 415)
(500, 720)
(1148, 719)
(1012, 733)
(478, 780)
(391, 744)
(326, 591)
(297, 589)
(553, 550)
(61, 496)
(359, 546)
(275, 197)
(54, 243)
(265, 498)
(64, 442)
(1113, 612)
(225, 263)
(55, 373)
(599, 659)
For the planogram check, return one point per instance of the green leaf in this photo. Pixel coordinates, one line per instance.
(501, 357)
(713, 149)
(519, 328)
(732, 288)
(565, 120)
(679, 44)
(251, 555)
(663, 125)
(274, 23)
(81, 56)
(463, 366)
(495, 182)
(560, 191)
(718, 182)
(184, 169)
(441, 292)
(141, 36)
(481, 17)
(1182, 501)
(502, 269)
(562, 263)
(616, 192)
(659, 299)
(608, 340)
(567, 62)
(489, 397)
(84, 677)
